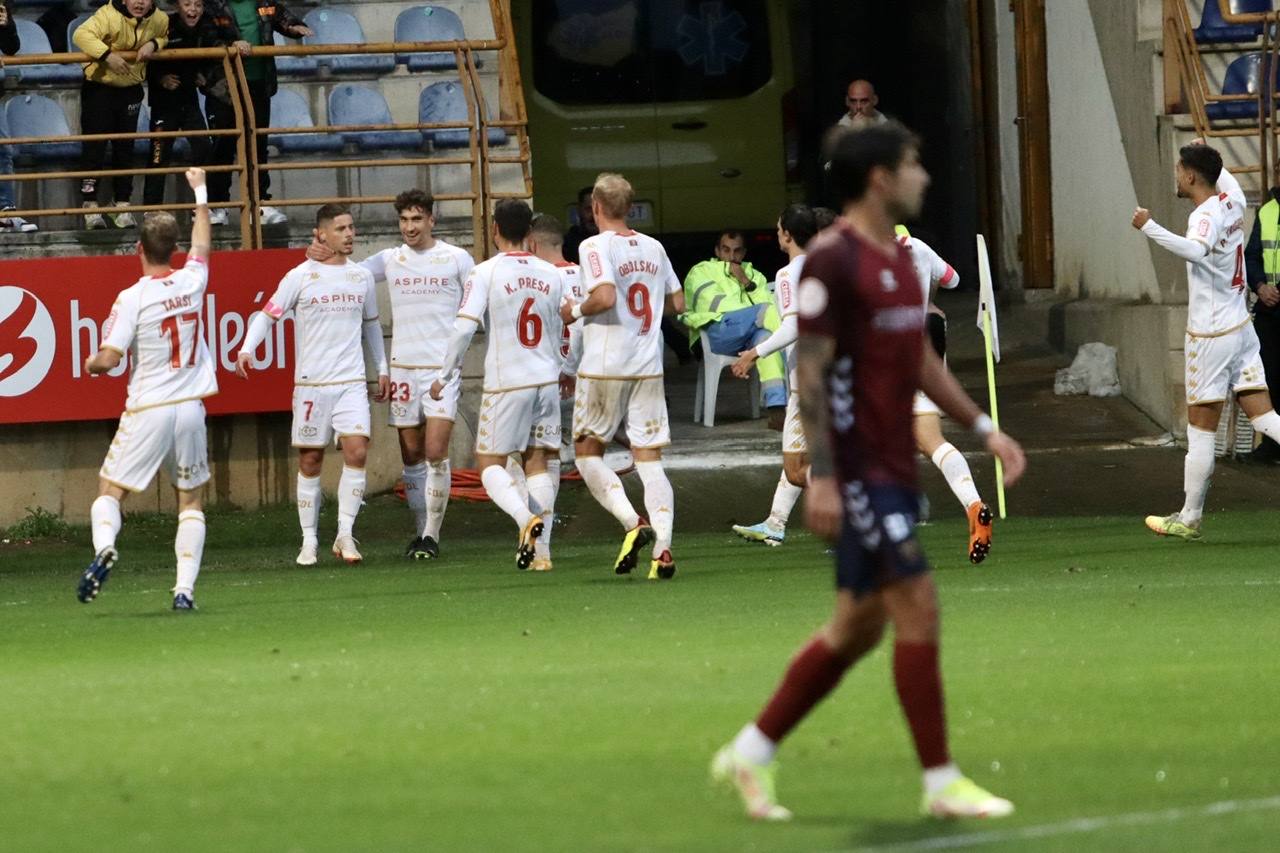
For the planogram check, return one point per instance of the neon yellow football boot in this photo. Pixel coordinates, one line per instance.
(753, 782)
(1172, 525)
(964, 798)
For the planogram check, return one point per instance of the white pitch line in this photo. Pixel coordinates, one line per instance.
(1079, 825)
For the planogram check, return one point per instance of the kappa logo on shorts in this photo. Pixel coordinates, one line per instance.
(399, 410)
(308, 431)
(27, 341)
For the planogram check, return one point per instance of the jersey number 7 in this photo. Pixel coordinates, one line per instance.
(169, 328)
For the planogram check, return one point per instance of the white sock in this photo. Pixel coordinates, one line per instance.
(937, 778)
(1268, 424)
(105, 516)
(784, 500)
(515, 469)
(660, 502)
(952, 464)
(503, 492)
(188, 547)
(309, 500)
(415, 494)
(553, 471)
(439, 482)
(350, 496)
(753, 745)
(1196, 472)
(542, 498)
(607, 489)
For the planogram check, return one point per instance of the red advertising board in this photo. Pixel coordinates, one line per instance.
(51, 315)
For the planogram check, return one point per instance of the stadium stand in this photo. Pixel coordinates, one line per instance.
(1243, 77)
(1214, 29)
(428, 23)
(295, 66)
(335, 27)
(289, 109)
(36, 41)
(36, 115)
(353, 104)
(447, 102)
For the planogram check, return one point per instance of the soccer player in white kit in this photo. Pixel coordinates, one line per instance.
(157, 322)
(335, 317)
(629, 282)
(1221, 345)
(796, 227)
(518, 297)
(934, 273)
(424, 278)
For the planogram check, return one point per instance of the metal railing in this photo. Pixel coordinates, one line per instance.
(479, 158)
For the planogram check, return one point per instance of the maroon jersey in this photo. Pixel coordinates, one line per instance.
(871, 304)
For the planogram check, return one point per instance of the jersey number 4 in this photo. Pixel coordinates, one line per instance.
(170, 328)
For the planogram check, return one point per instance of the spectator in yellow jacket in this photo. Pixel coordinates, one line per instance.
(112, 93)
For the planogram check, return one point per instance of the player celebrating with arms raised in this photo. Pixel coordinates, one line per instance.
(861, 355)
(335, 316)
(629, 282)
(1221, 345)
(521, 403)
(157, 321)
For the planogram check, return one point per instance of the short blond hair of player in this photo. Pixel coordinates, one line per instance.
(157, 322)
(629, 283)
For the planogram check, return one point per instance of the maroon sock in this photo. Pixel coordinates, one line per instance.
(919, 683)
(812, 675)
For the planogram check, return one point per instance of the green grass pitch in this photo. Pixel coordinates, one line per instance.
(1091, 671)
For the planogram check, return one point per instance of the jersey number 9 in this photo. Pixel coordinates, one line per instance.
(638, 305)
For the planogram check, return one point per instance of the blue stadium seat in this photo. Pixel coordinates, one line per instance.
(1214, 30)
(35, 40)
(428, 23)
(334, 27)
(350, 104)
(36, 115)
(72, 27)
(447, 101)
(1244, 77)
(295, 66)
(289, 109)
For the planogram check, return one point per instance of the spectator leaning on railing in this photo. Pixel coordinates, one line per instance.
(9, 44)
(253, 22)
(112, 93)
(171, 93)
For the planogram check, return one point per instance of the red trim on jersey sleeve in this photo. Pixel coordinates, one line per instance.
(272, 310)
(948, 276)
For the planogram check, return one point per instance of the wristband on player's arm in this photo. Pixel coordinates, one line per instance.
(983, 426)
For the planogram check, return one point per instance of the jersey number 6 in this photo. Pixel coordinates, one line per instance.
(529, 325)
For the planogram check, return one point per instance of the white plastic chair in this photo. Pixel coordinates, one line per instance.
(704, 397)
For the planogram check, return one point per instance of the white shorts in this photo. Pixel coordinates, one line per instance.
(601, 405)
(793, 440)
(511, 421)
(922, 405)
(173, 436)
(1218, 366)
(323, 412)
(411, 401)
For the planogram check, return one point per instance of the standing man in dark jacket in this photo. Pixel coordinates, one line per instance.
(171, 92)
(253, 22)
(1262, 264)
(9, 45)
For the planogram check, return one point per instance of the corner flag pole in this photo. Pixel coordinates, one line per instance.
(991, 340)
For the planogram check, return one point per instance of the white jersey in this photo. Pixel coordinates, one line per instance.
(521, 295)
(1216, 282)
(625, 342)
(931, 269)
(571, 341)
(331, 303)
(784, 295)
(156, 322)
(425, 289)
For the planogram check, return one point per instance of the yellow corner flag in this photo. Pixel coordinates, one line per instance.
(991, 338)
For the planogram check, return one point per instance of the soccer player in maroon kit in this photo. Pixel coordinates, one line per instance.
(861, 355)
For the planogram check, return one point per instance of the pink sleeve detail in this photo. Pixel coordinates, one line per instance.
(273, 310)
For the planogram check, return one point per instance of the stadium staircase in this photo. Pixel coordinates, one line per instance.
(387, 95)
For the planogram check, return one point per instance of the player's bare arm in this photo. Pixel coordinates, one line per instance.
(201, 230)
(1141, 216)
(604, 297)
(823, 510)
(675, 303)
(102, 361)
(942, 388)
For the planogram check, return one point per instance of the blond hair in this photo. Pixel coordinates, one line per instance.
(614, 194)
(159, 236)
